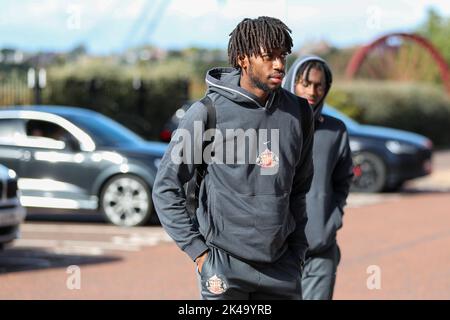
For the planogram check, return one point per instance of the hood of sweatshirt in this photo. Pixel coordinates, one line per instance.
(289, 80)
(225, 81)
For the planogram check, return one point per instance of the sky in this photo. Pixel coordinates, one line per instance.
(111, 26)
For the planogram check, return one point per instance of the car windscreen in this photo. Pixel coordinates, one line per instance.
(105, 131)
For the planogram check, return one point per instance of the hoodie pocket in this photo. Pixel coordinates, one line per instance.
(253, 227)
(334, 223)
(205, 217)
(324, 219)
(205, 264)
(337, 217)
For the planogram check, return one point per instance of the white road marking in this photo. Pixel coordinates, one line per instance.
(39, 243)
(142, 239)
(357, 200)
(97, 229)
(35, 243)
(115, 238)
(87, 251)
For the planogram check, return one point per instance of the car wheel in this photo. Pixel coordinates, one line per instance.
(369, 173)
(126, 201)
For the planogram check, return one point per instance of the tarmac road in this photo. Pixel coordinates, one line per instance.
(394, 246)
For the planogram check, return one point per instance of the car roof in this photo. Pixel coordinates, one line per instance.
(59, 110)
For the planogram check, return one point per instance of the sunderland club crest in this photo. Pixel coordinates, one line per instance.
(216, 285)
(267, 159)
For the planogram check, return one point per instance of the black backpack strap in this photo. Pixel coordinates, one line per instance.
(193, 186)
(210, 120)
(210, 124)
(211, 117)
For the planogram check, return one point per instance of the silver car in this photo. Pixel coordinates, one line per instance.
(77, 159)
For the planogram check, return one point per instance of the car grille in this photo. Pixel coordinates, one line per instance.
(7, 230)
(11, 189)
(8, 188)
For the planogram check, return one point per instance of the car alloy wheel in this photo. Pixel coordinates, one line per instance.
(126, 201)
(369, 173)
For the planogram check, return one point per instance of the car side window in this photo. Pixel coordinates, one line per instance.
(47, 134)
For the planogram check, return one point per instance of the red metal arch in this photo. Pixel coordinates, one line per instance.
(359, 56)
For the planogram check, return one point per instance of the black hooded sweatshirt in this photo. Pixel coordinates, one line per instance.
(332, 171)
(249, 214)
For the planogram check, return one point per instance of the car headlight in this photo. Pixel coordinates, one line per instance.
(355, 145)
(12, 174)
(398, 147)
(180, 113)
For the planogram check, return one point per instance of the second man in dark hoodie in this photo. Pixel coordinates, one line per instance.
(311, 78)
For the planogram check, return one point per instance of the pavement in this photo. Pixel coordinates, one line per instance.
(400, 237)
(402, 242)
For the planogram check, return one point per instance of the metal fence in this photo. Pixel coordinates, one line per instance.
(14, 89)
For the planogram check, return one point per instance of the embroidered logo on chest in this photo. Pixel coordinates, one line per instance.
(267, 159)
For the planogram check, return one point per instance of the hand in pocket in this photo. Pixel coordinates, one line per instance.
(200, 260)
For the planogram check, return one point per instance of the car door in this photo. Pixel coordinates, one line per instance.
(56, 173)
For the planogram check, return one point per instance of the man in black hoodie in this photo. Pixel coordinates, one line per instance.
(311, 78)
(250, 241)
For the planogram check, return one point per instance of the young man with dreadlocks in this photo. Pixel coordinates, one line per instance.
(249, 240)
(310, 77)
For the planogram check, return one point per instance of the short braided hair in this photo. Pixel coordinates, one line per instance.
(252, 35)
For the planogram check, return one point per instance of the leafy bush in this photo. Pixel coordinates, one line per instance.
(142, 104)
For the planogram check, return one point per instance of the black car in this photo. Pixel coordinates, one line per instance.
(11, 212)
(383, 158)
(74, 158)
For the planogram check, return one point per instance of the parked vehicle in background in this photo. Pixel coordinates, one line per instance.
(383, 158)
(11, 211)
(73, 158)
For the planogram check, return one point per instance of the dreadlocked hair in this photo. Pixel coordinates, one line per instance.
(252, 35)
(305, 69)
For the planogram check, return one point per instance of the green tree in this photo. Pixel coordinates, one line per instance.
(437, 29)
